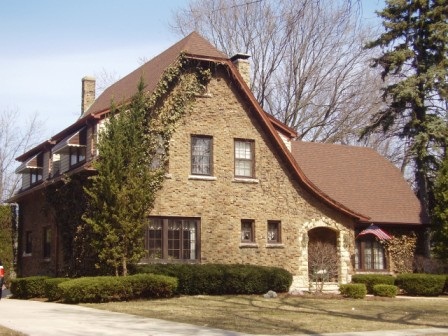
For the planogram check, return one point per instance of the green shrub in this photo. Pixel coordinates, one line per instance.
(218, 279)
(52, 290)
(385, 290)
(27, 288)
(354, 291)
(421, 284)
(370, 280)
(111, 288)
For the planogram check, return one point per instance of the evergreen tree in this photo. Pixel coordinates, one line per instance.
(414, 62)
(440, 213)
(130, 170)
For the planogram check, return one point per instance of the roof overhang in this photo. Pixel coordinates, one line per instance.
(31, 163)
(73, 140)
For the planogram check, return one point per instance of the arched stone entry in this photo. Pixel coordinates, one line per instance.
(323, 257)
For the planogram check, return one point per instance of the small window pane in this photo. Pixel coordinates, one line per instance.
(201, 155)
(247, 231)
(273, 232)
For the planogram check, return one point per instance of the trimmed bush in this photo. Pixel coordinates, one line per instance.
(27, 288)
(370, 280)
(219, 279)
(52, 290)
(111, 288)
(385, 290)
(421, 284)
(353, 291)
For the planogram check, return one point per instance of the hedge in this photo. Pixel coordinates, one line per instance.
(421, 284)
(385, 290)
(370, 280)
(27, 288)
(354, 291)
(220, 279)
(112, 288)
(52, 290)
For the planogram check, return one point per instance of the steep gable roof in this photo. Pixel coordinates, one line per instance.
(361, 179)
(151, 71)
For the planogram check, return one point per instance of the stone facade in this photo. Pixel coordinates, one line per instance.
(222, 201)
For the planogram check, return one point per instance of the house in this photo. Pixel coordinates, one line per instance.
(258, 196)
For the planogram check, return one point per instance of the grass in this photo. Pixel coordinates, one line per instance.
(8, 332)
(292, 315)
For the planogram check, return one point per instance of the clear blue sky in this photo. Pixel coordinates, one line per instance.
(47, 46)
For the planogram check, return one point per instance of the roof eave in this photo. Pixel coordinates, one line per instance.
(286, 153)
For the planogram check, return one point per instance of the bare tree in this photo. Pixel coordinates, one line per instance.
(309, 65)
(323, 264)
(16, 136)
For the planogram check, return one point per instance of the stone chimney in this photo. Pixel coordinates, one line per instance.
(242, 63)
(87, 93)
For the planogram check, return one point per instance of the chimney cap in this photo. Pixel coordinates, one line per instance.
(239, 56)
(88, 78)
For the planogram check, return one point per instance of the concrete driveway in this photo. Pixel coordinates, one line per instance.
(53, 319)
(36, 318)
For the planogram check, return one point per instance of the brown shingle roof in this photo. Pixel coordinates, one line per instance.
(151, 71)
(361, 179)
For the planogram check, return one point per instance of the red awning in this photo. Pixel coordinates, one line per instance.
(376, 231)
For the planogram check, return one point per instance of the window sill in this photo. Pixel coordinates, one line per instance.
(275, 245)
(248, 245)
(245, 180)
(202, 177)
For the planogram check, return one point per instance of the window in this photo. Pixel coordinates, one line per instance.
(28, 242)
(247, 231)
(37, 171)
(369, 254)
(77, 155)
(244, 158)
(274, 236)
(35, 175)
(172, 238)
(47, 243)
(77, 150)
(201, 155)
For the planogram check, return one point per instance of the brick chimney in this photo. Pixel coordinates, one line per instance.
(87, 93)
(242, 63)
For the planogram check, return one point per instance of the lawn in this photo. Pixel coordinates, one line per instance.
(8, 332)
(292, 315)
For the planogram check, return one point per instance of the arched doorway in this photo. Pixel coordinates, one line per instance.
(323, 257)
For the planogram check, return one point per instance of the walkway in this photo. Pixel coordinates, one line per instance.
(54, 319)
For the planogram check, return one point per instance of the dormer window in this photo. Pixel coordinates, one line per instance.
(74, 147)
(34, 167)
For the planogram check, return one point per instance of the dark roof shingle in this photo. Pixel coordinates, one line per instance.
(361, 179)
(151, 71)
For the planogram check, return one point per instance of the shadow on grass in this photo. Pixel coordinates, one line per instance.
(312, 315)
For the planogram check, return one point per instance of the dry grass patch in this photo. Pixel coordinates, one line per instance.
(8, 332)
(291, 315)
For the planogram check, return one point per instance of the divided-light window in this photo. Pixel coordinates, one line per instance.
(244, 158)
(201, 155)
(172, 239)
(370, 255)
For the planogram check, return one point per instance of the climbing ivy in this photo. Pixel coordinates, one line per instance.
(134, 150)
(401, 249)
(65, 204)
